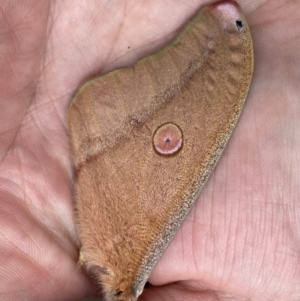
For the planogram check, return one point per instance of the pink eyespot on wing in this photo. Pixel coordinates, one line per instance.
(167, 139)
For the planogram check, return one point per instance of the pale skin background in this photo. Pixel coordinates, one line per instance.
(241, 241)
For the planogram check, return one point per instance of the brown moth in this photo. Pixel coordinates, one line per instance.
(145, 140)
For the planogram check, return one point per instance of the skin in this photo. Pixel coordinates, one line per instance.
(241, 239)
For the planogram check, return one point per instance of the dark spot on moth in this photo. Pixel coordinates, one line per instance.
(239, 25)
(118, 293)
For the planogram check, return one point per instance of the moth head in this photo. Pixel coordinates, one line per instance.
(114, 286)
(118, 289)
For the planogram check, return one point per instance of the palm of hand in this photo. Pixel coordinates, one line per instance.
(241, 237)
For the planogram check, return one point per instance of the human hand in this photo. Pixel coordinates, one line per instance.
(241, 239)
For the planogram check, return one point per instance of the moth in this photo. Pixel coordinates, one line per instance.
(145, 140)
